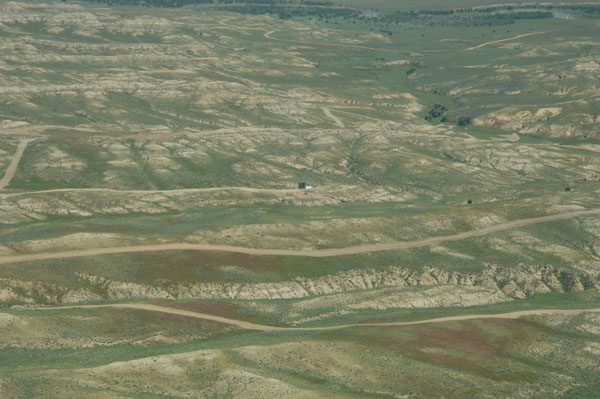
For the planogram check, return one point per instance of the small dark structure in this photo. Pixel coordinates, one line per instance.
(304, 186)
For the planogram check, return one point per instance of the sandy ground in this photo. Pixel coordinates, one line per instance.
(288, 252)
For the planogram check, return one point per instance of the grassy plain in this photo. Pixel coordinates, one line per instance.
(195, 125)
(411, 5)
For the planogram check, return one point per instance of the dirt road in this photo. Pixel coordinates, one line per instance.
(143, 192)
(266, 328)
(269, 35)
(12, 167)
(338, 122)
(317, 253)
(503, 40)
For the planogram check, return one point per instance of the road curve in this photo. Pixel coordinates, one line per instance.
(316, 253)
(266, 328)
(12, 166)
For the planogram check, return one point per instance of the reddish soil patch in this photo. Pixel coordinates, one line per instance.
(454, 362)
(149, 318)
(192, 266)
(478, 346)
(465, 340)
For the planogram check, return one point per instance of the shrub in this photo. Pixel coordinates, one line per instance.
(437, 111)
(464, 120)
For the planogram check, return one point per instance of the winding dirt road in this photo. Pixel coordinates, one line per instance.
(317, 253)
(266, 328)
(12, 167)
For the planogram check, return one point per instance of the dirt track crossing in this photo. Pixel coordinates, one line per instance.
(12, 166)
(317, 253)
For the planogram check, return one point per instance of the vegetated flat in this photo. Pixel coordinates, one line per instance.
(412, 5)
(181, 129)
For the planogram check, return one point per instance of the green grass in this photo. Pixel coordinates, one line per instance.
(238, 109)
(406, 5)
(586, 300)
(20, 360)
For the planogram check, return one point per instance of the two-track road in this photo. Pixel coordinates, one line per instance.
(266, 328)
(316, 253)
(12, 166)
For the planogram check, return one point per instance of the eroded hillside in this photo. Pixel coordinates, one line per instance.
(154, 155)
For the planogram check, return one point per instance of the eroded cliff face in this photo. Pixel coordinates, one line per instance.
(500, 284)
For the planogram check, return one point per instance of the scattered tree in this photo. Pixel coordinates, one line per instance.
(437, 111)
(464, 120)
